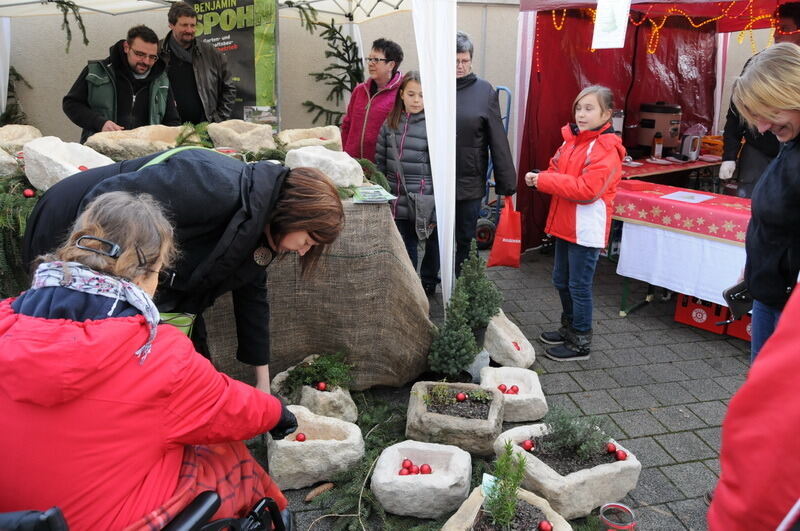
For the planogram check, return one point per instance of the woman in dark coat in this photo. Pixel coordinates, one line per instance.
(767, 95)
(230, 219)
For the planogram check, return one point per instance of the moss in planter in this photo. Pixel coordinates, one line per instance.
(483, 297)
(329, 368)
(501, 502)
(453, 349)
(441, 399)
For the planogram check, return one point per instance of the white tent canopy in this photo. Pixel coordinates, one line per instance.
(28, 8)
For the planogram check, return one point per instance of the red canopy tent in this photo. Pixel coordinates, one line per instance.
(669, 55)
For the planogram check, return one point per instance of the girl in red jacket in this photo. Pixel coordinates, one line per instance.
(582, 178)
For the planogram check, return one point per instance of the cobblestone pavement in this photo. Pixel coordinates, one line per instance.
(663, 386)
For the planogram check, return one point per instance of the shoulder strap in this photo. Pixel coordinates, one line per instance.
(398, 164)
(167, 154)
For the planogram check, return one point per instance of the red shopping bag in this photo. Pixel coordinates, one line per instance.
(508, 238)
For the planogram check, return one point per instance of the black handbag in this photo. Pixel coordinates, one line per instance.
(421, 207)
(739, 301)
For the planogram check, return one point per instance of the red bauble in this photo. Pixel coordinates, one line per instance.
(502, 388)
(414, 469)
(621, 455)
(527, 445)
(28, 192)
(513, 390)
(407, 463)
(544, 525)
(82, 168)
(461, 397)
(425, 469)
(322, 386)
(611, 448)
(403, 472)
(300, 437)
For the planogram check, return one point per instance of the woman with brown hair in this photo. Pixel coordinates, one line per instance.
(231, 219)
(107, 414)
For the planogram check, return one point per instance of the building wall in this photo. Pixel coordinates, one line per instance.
(38, 54)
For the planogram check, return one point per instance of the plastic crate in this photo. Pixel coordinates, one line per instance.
(741, 328)
(700, 314)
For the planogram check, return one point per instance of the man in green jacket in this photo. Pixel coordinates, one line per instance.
(128, 89)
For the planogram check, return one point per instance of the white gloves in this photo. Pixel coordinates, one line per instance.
(726, 170)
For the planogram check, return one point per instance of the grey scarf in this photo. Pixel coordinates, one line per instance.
(179, 51)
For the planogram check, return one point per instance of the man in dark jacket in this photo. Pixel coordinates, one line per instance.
(197, 71)
(479, 129)
(219, 207)
(759, 148)
(126, 90)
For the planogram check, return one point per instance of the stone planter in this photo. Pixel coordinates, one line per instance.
(331, 446)
(576, 494)
(422, 495)
(473, 435)
(506, 343)
(463, 519)
(335, 402)
(528, 404)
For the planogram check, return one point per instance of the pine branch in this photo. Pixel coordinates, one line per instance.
(331, 117)
(308, 15)
(66, 7)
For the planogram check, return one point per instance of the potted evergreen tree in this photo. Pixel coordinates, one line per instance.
(483, 297)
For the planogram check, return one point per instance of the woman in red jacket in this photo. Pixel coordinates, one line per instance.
(582, 178)
(107, 414)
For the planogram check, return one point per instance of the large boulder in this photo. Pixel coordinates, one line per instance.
(328, 136)
(422, 495)
(49, 159)
(364, 299)
(331, 446)
(14, 136)
(343, 169)
(139, 142)
(506, 343)
(8, 164)
(241, 135)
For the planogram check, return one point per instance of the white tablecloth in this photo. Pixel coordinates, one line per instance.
(688, 264)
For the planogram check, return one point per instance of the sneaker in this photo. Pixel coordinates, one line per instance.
(566, 352)
(552, 338)
(430, 289)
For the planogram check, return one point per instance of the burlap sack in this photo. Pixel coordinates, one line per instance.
(365, 300)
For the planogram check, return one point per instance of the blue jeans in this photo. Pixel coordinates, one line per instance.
(573, 274)
(764, 320)
(429, 271)
(467, 212)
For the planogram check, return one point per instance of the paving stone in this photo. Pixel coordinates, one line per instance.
(610, 427)
(693, 479)
(713, 465)
(624, 340)
(558, 382)
(650, 324)
(670, 393)
(729, 365)
(594, 402)
(665, 372)
(687, 350)
(655, 337)
(627, 376)
(657, 517)
(601, 343)
(621, 325)
(594, 379)
(658, 354)
(510, 307)
(712, 437)
(506, 284)
(638, 423)
(553, 366)
(677, 418)
(691, 512)
(533, 317)
(564, 402)
(648, 451)
(731, 383)
(633, 398)
(706, 389)
(685, 446)
(625, 357)
(655, 487)
(720, 347)
(698, 368)
(597, 360)
(711, 413)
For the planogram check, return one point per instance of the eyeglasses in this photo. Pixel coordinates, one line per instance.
(142, 55)
(372, 60)
(463, 62)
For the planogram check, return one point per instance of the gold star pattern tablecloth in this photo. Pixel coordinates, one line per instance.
(722, 217)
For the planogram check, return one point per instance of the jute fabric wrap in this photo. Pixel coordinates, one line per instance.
(365, 299)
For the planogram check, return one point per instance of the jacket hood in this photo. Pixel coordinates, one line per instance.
(466, 81)
(53, 361)
(118, 59)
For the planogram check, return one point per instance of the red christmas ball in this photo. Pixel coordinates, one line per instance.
(544, 525)
(414, 469)
(514, 389)
(611, 448)
(407, 463)
(425, 469)
(82, 168)
(461, 397)
(403, 472)
(28, 192)
(527, 445)
(322, 386)
(502, 388)
(300, 437)
(621, 455)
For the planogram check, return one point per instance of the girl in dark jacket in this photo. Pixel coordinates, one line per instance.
(403, 141)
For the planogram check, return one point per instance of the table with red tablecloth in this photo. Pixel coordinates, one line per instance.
(693, 246)
(650, 169)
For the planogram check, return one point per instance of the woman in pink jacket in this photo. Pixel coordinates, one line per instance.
(372, 100)
(582, 178)
(107, 414)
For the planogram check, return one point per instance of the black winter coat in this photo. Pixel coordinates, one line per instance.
(479, 128)
(219, 207)
(411, 140)
(773, 235)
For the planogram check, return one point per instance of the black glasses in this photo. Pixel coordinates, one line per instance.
(142, 55)
(376, 60)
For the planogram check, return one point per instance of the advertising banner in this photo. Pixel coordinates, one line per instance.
(245, 31)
